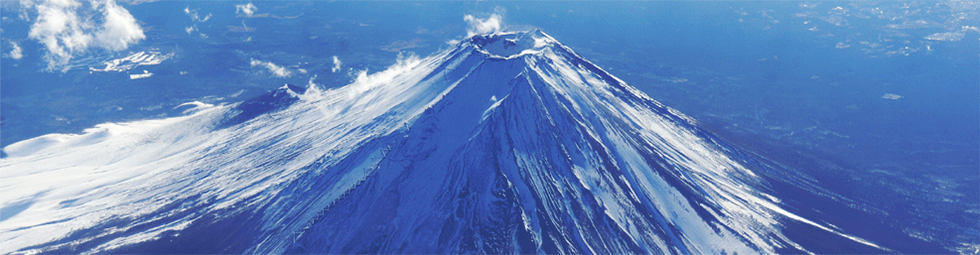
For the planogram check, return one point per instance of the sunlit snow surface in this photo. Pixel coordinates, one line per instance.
(507, 143)
(141, 58)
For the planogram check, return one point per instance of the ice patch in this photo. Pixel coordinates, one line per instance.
(145, 74)
(141, 58)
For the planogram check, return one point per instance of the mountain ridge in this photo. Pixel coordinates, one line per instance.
(508, 143)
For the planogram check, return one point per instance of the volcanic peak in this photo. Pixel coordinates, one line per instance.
(508, 45)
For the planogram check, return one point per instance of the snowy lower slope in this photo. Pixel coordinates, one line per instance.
(508, 143)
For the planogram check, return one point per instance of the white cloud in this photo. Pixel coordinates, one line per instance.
(891, 96)
(194, 16)
(276, 70)
(68, 28)
(247, 9)
(494, 23)
(336, 64)
(189, 29)
(364, 81)
(17, 52)
(119, 28)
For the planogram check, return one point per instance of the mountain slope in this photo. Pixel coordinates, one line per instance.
(507, 143)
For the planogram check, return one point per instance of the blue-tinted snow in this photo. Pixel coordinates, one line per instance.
(571, 155)
(800, 83)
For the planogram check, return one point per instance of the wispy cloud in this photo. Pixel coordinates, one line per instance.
(194, 16)
(246, 9)
(277, 71)
(336, 64)
(891, 96)
(16, 52)
(192, 13)
(405, 62)
(68, 28)
(491, 24)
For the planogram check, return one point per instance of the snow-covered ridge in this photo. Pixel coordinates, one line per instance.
(508, 143)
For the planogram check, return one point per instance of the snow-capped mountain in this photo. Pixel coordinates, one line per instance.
(507, 143)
